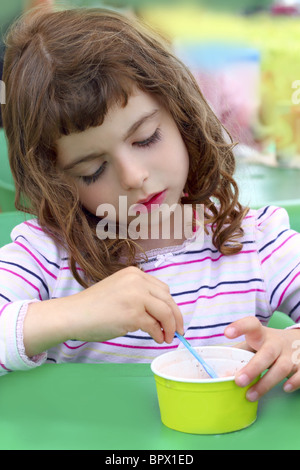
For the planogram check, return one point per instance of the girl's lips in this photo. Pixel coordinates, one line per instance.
(156, 199)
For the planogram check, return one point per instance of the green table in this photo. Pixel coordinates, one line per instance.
(114, 407)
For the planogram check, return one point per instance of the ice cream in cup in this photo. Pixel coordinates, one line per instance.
(192, 402)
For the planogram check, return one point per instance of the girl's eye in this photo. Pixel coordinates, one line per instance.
(143, 144)
(93, 178)
(156, 137)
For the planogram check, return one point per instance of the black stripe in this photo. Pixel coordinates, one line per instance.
(272, 241)
(217, 325)
(263, 213)
(41, 254)
(275, 288)
(217, 285)
(51, 359)
(29, 272)
(138, 337)
(6, 298)
(294, 308)
(263, 318)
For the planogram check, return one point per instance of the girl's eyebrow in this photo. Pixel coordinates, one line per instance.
(139, 122)
(130, 131)
(86, 158)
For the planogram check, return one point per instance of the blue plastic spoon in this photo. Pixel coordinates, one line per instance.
(208, 369)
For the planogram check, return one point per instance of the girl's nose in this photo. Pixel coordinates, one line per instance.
(132, 175)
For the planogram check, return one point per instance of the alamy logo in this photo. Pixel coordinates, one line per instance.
(2, 92)
(163, 221)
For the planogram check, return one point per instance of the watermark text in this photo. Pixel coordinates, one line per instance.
(2, 92)
(161, 222)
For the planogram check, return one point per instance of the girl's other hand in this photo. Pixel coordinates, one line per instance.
(275, 351)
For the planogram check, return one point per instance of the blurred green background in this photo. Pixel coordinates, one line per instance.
(228, 5)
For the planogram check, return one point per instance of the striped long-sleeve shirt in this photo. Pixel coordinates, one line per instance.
(211, 289)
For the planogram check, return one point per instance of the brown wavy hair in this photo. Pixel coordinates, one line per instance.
(62, 71)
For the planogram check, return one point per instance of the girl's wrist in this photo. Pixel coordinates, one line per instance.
(37, 359)
(45, 325)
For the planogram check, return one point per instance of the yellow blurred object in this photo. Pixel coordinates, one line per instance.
(278, 41)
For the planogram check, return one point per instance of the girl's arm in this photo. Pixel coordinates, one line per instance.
(41, 304)
(45, 325)
(126, 301)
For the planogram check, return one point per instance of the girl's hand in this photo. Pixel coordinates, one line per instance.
(275, 351)
(126, 301)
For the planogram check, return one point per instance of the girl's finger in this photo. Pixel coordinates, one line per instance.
(279, 371)
(293, 383)
(151, 326)
(261, 361)
(251, 328)
(162, 312)
(168, 299)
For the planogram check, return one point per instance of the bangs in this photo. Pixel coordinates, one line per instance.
(77, 108)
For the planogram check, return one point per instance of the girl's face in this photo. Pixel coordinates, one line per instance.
(137, 152)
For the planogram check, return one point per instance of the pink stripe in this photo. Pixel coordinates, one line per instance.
(5, 368)
(145, 347)
(270, 215)
(297, 320)
(221, 293)
(34, 226)
(138, 347)
(37, 260)
(267, 257)
(205, 337)
(286, 289)
(160, 347)
(18, 275)
(185, 262)
(123, 346)
(4, 307)
(196, 261)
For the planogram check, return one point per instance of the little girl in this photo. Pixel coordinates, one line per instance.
(99, 111)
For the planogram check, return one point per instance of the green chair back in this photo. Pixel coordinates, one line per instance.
(293, 209)
(280, 321)
(8, 220)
